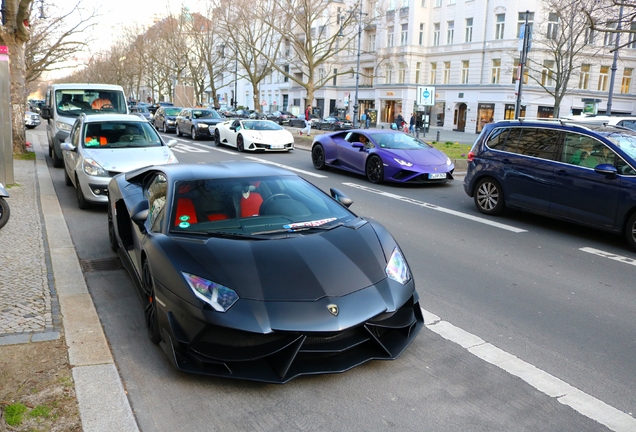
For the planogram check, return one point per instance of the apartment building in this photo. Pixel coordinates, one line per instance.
(467, 53)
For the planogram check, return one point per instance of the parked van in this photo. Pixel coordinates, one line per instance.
(65, 102)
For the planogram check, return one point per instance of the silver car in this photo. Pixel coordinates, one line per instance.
(31, 119)
(102, 146)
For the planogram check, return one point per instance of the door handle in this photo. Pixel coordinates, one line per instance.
(562, 173)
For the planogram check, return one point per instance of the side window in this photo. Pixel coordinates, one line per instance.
(155, 193)
(497, 139)
(539, 142)
(628, 124)
(581, 150)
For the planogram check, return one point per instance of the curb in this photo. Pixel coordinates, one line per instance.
(101, 398)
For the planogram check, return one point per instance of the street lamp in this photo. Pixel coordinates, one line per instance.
(608, 110)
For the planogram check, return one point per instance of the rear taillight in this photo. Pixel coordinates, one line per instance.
(471, 156)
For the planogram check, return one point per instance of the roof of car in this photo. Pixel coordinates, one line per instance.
(214, 170)
(90, 118)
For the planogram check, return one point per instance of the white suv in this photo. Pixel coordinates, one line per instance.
(624, 121)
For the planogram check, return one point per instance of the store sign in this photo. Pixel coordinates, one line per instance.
(426, 96)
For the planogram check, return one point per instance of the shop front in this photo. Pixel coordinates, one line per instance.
(485, 115)
(509, 112)
(390, 105)
(545, 112)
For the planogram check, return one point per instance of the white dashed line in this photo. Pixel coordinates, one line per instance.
(437, 208)
(609, 255)
(552, 386)
(309, 173)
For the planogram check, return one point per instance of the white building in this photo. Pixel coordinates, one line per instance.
(468, 51)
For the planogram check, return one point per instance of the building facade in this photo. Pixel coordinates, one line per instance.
(466, 52)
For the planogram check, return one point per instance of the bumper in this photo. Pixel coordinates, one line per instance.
(94, 189)
(420, 176)
(298, 348)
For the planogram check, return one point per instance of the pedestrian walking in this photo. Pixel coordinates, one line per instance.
(367, 122)
(412, 124)
(307, 127)
(363, 118)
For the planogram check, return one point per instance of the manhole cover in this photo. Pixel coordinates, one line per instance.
(104, 264)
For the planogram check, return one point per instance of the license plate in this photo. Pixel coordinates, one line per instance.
(277, 146)
(437, 176)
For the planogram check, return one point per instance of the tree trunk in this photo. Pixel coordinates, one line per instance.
(18, 93)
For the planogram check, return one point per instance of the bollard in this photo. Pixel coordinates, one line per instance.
(437, 139)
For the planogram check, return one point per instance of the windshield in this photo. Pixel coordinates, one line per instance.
(261, 125)
(254, 206)
(117, 134)
(398, 141)
(74, 102)
(205, 114)
(624, 139)
(172, 111)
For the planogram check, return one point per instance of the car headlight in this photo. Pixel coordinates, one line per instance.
(27, 117)
(220, 297)
(63, 126)
(92, 168)
(397, 269)
(170, 122)
(448, 161)
(403, 162)
(202, 125)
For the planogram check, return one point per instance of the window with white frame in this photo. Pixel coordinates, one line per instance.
(610, 38)
(521, 20)
(626, 83)
(423, 3)
(421, 38)
(321, 74)
(401, 73)
(391, 4)
(547, 73)
(447, 66)
(438, 3)
(389, 36)
(372, 42)
(553, 26)
(367, 78)
(496, 71)
(389, 74)
(584, 77)
(632, 36)
(468, 35)
(436, 31)
(450, 32)
(465, 69)
(404, 34)
(433, 78)
(588, 37)
(603, 78)
(418, 72)
(451, 2)
(500, 23)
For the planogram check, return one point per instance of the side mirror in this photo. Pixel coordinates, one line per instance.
(67, 146)
(139, 214)
(341, 197)
(608, 170)
(45, 112)
(358, 145)
(172, 143)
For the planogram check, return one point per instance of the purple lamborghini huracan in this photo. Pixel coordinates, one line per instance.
(382, 155)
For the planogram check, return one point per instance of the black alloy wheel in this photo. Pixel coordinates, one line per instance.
(488, 196)
(217, 138)
(240, 144)
(150, 305)
(5, 212)
(165, 127)
(318, 157)
(375, 169)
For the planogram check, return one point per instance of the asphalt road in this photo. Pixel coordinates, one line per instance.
(535, 288)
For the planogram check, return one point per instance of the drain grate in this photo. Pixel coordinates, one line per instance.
(104, 264)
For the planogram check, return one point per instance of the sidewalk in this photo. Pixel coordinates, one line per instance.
(43, 294)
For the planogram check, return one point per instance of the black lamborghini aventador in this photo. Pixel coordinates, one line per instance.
(248, 271)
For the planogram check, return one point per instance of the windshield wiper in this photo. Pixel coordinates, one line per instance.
(299, 228)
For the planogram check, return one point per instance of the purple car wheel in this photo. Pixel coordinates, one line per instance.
(318, 157)
(375, 170)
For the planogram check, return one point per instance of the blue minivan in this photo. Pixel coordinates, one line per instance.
(580, 173)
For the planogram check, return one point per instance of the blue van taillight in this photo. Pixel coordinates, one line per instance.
(471, 156)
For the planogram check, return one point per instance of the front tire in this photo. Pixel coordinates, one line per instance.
(630, 232)
(178, 131)
(4, 212)
(488, 196)
(112, 239)
(240, 144)
(165, 128)
(318, 157)
(57, 162)
(81, 201)
(150, 305)
(67, 178)
(217, 138)
(375, 170)
(193, 133)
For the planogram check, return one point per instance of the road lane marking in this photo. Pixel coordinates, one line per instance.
(609, 255)
(187, 148)
(550, 385)
(285, 166)
(437, 208)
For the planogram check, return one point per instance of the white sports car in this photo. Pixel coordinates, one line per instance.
(248, 134)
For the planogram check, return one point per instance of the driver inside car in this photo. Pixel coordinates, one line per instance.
(102, 102)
